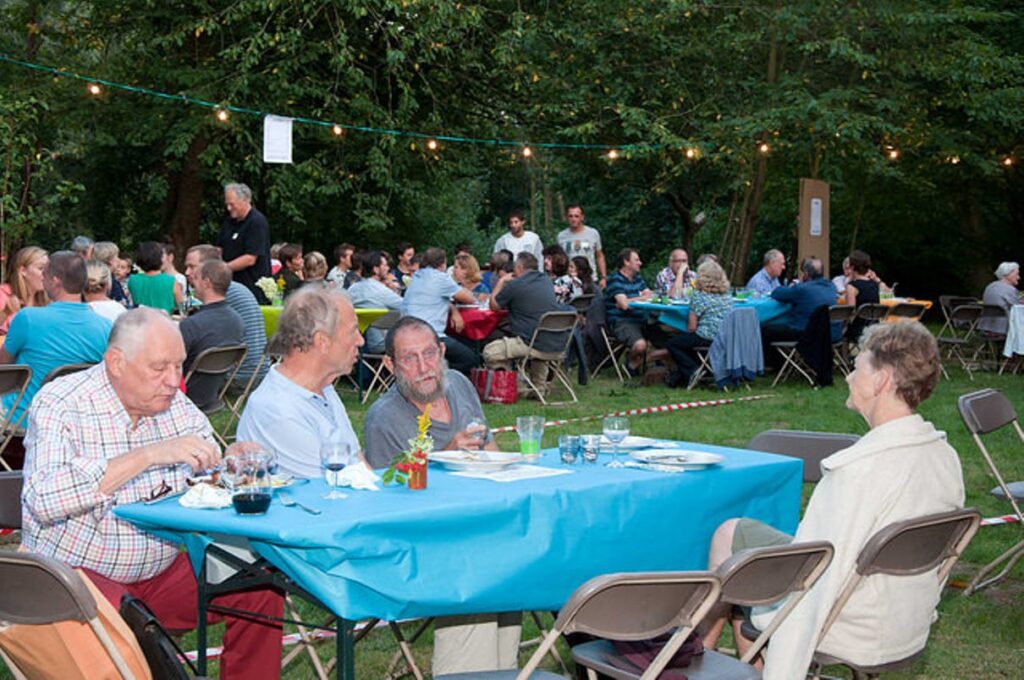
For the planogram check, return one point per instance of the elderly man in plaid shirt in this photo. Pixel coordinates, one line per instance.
(118, 433)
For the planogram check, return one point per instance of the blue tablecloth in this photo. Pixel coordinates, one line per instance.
(471, 545)
(677, 315)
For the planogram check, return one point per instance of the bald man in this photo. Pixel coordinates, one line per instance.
(122, 432)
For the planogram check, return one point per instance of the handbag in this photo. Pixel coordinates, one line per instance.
(495, 386)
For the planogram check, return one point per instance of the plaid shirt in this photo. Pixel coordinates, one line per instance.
(76, 424)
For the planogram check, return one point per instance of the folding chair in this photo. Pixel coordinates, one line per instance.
(989, 344)
(956, 335)
(380, 377)
(10, 501)
(13, 378)
(907, 548)
(213, 363)
(581, 303)
(763, 576)
(947, 303)
(810, 447)
(983, 412)
(65, 370)
(704, 369)
(237, 403)
(906, 311)
(39, 591)
(841, 314)
(556, 326)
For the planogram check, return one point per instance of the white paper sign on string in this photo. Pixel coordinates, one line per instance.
(277, 139)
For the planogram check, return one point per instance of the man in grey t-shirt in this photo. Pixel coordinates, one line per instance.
(579, 240)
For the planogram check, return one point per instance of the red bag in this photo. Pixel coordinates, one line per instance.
(495, 386)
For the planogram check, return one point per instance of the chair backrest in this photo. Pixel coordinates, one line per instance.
(388, 321)
(950, 302)
(811, 447)
(993, 312)
(872, 311)
(14, 378)
(66, 369)
(10, 499)
(218, 360)
(763, 576)
(907, 310)
(561, 324)
(841, 313)
(961, 318)
(908, 548)
(581, 303)
(985, 411)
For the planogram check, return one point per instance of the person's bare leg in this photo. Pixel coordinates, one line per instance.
(720, 551)
(636, 355)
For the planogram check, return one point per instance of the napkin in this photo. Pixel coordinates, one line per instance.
(206, 496)
(358, 476)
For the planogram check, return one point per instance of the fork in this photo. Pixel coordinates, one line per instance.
(287, 501)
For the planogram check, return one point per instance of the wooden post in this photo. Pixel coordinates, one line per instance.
(813, 234)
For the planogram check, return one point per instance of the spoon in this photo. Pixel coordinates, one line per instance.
(288, 502)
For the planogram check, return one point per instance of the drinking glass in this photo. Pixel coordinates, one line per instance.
(568, 448)
(616, 428)
(477, 428)
(251, 485)
(591, 444)
(530, 430)
(334, 456)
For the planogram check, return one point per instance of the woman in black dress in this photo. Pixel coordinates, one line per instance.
(861, 289)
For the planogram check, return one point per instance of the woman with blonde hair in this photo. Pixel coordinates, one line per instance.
(24, 286)
(314, 268)
(709, 304)
(466, 273)
(97, 291)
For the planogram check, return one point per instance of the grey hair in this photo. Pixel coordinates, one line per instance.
(241, 190)
(105, 251)
(1005, 269)
(98, 275)
(307, 311)
(773, 254)
(129, 332)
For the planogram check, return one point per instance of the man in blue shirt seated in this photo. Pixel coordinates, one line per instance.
(629, 326)
(296, 409)
(66, 331)
(767, 278)
(813, 291)
(373, 291)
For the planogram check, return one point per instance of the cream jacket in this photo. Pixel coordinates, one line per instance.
(900, 470)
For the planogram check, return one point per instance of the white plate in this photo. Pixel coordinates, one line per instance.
(689, 460)
(630, 443)
(475, 461)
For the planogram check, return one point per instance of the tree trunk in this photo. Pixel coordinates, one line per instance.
(184, 204)
(683, 209)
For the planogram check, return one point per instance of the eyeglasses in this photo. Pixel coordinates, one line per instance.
(158, 492)
(427, 356)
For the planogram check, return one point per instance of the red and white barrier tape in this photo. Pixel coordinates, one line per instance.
(665, 408)
(996, 521)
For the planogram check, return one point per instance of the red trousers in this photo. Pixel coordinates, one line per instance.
(252, 647)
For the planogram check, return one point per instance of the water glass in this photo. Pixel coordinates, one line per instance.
(530, 430)
(616, 429)
(334, 456)
(568, 448)
(591, 446)
(250, 482)
(477, 428)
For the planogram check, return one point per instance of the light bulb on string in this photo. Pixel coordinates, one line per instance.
(954, 160)
(613, 154)
(764, 148)
(1008, 161)
(691, 153)
(94, 89)
(223, 115)
(432, 144)
(893, 154)
(337, 130)
(527, 152)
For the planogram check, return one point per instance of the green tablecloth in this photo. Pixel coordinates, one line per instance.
(365, 316)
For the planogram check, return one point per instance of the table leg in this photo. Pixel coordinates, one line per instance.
(346, 650)
(201, 620)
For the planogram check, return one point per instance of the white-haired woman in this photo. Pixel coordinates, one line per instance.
(1003, 292)
(709, 304)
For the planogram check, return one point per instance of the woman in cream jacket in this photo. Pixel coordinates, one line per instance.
(901, 469)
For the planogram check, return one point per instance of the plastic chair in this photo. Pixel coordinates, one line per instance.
(763, 576)
(957, 334)
(906, 548)
(222, 362)
(13, 378)
(39, 591)
(380, 377)
(810, 447)
(561, 325)
(983, 412)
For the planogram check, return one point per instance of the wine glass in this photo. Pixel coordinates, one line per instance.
(334, 456)
(616, 428)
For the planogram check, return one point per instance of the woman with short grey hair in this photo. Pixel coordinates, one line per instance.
(1002, 292)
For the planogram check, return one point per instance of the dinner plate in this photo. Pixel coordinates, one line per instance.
(689, 460)
(475, 461)
(631, 442)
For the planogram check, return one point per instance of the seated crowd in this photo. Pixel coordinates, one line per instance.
(125, 427)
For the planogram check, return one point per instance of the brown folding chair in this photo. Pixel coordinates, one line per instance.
(957, 335)
(907, 548)
(559, 326)
(65, 370)
(810, 447)
(223, 361)
(39, 590)
(947, 303)
(10, 499)
(983, 412)
(380, 376)
(764, 576)
(581, 303)
(13, 378)
(990, 345)
(841, 314)
(906, 311)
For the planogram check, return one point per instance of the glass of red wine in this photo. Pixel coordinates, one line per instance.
(334, 456)
(251, 483)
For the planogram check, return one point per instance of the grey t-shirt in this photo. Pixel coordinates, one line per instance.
(391, 421)
(212, 325)
(527, 298)
(586, 243)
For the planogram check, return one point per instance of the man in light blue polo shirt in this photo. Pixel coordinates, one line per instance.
(429, 296)
(767, 278)
(296, 409)
(66, 331)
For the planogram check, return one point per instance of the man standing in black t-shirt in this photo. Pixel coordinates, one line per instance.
(245, 239)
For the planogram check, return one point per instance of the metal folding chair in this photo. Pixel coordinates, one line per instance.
(13, 378)
(65, 370)
(561, 325)
(810, 447)
(841, 314)
(380, 376)
(763, 576)
(237, 403)
(983, 412)
(906, 311)
(989, 345)
(10, 500)
(957, 335)
(616, 352)
(907, 548)
(224, 362)
(947, 303)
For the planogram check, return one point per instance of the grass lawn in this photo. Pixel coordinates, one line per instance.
(977, 637)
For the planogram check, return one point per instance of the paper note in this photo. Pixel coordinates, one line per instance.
(277, 140)
(516, 473)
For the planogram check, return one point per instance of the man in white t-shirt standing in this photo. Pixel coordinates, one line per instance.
(518, 239)
(580, 240)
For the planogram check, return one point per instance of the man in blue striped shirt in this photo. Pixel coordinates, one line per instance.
(626, 324)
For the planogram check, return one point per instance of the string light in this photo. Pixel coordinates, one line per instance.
(338, 130)
(893, 154)
(764, 148)
(691, 153)
(613, 154)
(1008, 161)
(94, 89)
(527, 152)
(432, 144)
(222, 115)
(954, 160)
